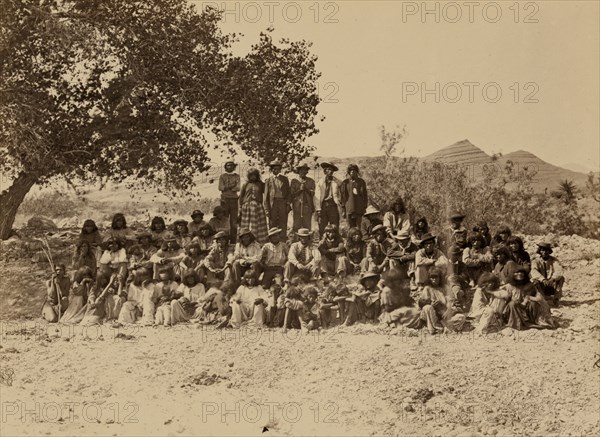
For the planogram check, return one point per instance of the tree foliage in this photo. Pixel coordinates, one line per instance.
(140, 91)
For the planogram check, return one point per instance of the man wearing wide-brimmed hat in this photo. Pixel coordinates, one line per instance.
(219, 260)
(369, 221)
(277, 198)
(428, 257)
(303, 258)
(303, 193)
(364, 305)
(547, 273)
(273, 258)
(246, 255)
(403, 257)
(229, 186)
(327, 198)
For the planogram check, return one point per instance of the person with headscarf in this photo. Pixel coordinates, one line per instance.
(327, 200)
(354, 197)
(252, 214)
(547, 273)
(302, 194)
(420, 229)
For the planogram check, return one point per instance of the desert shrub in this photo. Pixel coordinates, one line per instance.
(54, 205)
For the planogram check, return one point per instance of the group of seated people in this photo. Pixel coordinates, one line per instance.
(374, 273)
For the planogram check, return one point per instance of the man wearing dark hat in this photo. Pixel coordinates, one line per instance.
(327, 198)
(403, 256)
(378, 248)
(428, 257)
(229, 186)
(303, 193)
(354, 197)
(364, 304)
(246, 256)
(456, 231)
(547, 273)
(197, 222)
(273, 258)
(277, 198)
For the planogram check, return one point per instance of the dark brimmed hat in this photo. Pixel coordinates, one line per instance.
(230, 162)
(545, 245)
(275, 163)
(367, 275)
(456, 216)
(221, 234)
(197, 212)
(402, 235)
(454, 250)
(303, 165)
(427, 237)
(143, 235)
(330, 165)
(378, 228)
(371, 210)
(303, 232)
(179, 222)
(244, 231)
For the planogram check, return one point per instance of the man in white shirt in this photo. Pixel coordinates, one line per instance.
(304, 258)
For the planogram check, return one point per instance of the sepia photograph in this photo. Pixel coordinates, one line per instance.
(300, 218)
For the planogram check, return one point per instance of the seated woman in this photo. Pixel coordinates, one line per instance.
(169, 310)
(428, 257)
(169, 256)
(191, 290)
(220, 221)
(547, 273)
(181, 233)
(477, 258)
(133, 308)
(487, 307)
(518, 310)
(85, 256)
(438, 307)
(505, 266)
(397, 307)
(501, 237)
(91, 234)
(332, 250)
(420, 229)
(82, 283)
(518, 252)
(364, 304)
(114, 259)
(355, 251)
(104, 300)
(248, 304)
(158, 230)
(57, 294)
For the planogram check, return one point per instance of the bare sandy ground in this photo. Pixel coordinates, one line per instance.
(192, 380)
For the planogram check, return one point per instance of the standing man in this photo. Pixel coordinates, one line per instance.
(354, 197)
(303, 193)
(327, 198)
(229, 186)
(277, 198)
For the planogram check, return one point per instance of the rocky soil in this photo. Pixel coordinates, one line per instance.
(363, 380)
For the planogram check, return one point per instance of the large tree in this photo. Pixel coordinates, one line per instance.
(138, 92)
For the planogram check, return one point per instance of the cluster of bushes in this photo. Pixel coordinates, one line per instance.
(503, 197)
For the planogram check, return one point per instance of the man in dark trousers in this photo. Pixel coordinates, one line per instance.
(277, 198)
(327, 198)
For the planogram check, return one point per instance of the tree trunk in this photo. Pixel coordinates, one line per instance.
(11, 199)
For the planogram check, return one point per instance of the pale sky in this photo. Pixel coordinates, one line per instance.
(372, 55)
